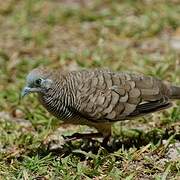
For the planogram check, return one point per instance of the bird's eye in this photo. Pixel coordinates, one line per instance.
(38, 81)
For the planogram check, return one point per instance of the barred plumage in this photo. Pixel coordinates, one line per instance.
(100, 97)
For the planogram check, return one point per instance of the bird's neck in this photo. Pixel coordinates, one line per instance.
(57, 100)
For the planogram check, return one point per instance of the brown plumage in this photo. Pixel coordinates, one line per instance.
(100, 97)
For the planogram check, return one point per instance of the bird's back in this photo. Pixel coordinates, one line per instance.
(111, 96)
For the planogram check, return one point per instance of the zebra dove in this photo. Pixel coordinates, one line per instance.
(98, 98)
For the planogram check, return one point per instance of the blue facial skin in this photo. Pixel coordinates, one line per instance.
(35, 84)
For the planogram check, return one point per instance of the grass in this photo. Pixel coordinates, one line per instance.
(126, 35)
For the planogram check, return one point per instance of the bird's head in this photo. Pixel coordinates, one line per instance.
(37, 81)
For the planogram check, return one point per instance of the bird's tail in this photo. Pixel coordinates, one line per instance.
(174, 92)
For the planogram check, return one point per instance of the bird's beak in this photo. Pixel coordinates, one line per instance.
(25, 91)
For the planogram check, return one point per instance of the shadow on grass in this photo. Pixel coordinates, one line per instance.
(93, 146)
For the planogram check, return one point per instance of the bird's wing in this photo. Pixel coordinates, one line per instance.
(114, 96)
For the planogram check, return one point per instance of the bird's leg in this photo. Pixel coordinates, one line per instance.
(82, 136)
(105, 129)
(105, 141)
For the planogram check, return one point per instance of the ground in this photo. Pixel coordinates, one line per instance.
(130, 35)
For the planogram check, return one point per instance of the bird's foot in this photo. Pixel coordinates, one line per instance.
(60, 141)
(77, 136)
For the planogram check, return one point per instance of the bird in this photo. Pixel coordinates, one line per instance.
(98, 97)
